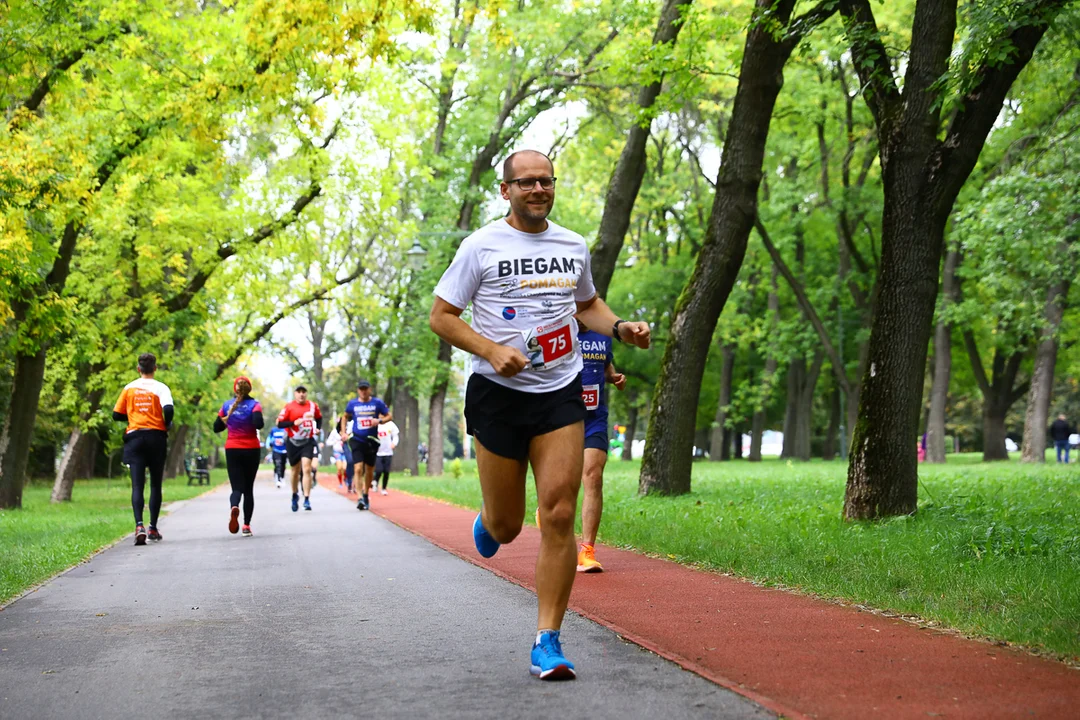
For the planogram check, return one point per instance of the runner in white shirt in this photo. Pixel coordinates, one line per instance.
(388, 440)
(525, 278)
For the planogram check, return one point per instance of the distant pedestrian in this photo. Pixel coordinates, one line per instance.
(1060, 430)
(384, 458)
(275, 441)
(146, 405)
(242, 416)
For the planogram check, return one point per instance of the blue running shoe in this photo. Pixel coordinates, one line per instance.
(485, 544)
(548, 661)
(307, 503)
(295, 502)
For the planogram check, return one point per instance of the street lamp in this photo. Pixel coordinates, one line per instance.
(414, 258)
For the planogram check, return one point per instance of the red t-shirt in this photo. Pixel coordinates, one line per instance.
(294, 411)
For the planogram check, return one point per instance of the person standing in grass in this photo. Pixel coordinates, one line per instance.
(526, 278)
(243, 417)
(1060, 430)
(146, 405)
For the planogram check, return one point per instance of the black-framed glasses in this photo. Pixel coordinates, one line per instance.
(546, 183)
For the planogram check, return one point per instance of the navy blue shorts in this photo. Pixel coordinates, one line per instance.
(596, 434)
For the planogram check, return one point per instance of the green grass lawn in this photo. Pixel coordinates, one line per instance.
(42, 539)
(993, 551)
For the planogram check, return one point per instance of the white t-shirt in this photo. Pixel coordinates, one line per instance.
(388, 438)
(523, 288)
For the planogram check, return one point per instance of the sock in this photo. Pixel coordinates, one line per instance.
(541, 632)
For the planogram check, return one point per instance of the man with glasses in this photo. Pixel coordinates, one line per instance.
(526, 277)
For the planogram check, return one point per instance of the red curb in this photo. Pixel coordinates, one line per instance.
(792, 654)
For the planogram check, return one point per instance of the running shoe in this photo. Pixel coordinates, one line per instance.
(367, 502)
(295, 502)
(234, 522)
(485, 544)
(307, 503)
(384, 491)
(246, 532)
(586, 560)
(154, 534)
(360, 504)
(140, 534)
(277, 484)
(548, 661)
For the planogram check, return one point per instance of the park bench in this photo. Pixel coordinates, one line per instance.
(201, 474)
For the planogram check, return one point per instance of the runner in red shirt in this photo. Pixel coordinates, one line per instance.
(302, 420)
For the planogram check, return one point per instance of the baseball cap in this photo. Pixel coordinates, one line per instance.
(362, 384)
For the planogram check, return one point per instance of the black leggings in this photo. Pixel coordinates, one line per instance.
(385, 475)
(279, 465)
(146, 450)
(243, 465)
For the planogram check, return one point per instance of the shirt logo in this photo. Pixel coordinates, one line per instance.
(509, 313)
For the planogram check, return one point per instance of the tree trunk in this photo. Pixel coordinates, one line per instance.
(922, 173)
(436, 410)
(719, 448)
(994, 431)
(736, 448)
(79, 445)
(795, 375)
(1033, 448)
(17, 431)
(631, 429)
(625, 182)
(666, 466)
(939, 391)
(409, 423)
(174, 460)
(804, 418)
(830, 449)
(757, 424)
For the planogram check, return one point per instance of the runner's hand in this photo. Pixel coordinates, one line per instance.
(507, 361)
(618, 380)
(635, 333)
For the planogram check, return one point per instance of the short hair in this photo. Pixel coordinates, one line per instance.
(508, 163)
(300, 388)
(147, 363)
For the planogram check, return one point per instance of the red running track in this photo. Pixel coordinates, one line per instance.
(797, 656)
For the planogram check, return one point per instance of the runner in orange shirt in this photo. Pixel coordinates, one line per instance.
(146, 405)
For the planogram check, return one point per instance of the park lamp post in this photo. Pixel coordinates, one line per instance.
(415, 256)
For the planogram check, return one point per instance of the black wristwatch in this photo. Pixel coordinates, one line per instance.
(615, 330)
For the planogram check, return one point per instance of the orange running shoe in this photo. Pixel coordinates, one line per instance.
(586, 560)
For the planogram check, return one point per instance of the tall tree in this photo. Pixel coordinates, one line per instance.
(923, 171)
(770, 39)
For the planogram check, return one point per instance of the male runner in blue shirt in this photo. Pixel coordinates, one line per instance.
(597, 370)
(365, 413)
(275, 442)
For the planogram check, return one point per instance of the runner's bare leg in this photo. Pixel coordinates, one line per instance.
(556, 461)
(502, 483)
(592, 500)
(294, 478)
(305, 463)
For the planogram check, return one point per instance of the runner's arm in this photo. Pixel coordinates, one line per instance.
(615, 378)
(445, 321)
(119, 416)
(167, 414)
(596, 315)
(257, 420)
(219, 424)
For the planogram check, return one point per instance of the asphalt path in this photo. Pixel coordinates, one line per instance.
(326, 613)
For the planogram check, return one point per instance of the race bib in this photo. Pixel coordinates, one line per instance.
(550, 345)
(304, 430)
(591, 395)
(367, 422)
